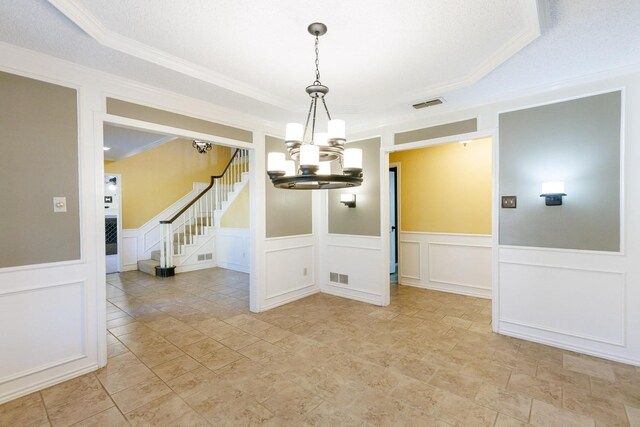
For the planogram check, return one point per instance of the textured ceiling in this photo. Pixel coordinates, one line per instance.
(123, 142)
(378, 57)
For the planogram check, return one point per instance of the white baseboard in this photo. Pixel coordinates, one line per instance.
(41, 385)
(563, 345)
(354, 294)
(290, 297)
(235, 267)
(195, 267)
(449, 287)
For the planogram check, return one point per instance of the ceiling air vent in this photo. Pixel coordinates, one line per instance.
(429, 103)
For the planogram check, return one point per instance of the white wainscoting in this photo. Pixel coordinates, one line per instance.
(232, 248)
(286, 259)
(357, 257)
(47, 326)
(570, 299)
(129, 250)
(458, 263)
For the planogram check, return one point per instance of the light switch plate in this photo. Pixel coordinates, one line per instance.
(59, 204)
(509, 202)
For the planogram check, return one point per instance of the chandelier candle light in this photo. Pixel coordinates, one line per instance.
(315, 156)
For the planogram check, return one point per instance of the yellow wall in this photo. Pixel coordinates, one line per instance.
(237, 216)
(446, 188)
(155, 179)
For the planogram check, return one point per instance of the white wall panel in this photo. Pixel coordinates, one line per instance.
(583, 303)
(459, 263)
(232, 248)
(129, 250)
(356, 257)
(31, 320)
(286, 259)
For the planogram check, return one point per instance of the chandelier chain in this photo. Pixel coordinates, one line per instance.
(317, 61)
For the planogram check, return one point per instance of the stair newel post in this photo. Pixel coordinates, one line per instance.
(163, 244)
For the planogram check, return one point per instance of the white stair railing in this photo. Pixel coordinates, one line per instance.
(190, 221)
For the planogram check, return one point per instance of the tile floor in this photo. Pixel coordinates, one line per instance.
(185, 351)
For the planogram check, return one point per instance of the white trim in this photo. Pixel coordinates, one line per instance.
(355, 294)
(444, 234)
(561, 250)
(41, 368)
(312, 290)
(366, 248)
(563, 332)
(136, 124)
(400, 273)
(560, 267)
(295, 236)
(41, 385)
(288, 248)
(451, 288)
(356, 236)
(300, 288)
(563, 345)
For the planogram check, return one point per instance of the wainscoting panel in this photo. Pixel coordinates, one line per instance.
(232, 248)
(129, 250)
(458, 263)
(289, 269)
(353, 256)
(583, 303)
(44, 328)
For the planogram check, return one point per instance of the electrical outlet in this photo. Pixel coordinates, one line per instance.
(304, 271)
(509, 202)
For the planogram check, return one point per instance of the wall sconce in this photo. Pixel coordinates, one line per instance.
(553, 193)
(348, 200)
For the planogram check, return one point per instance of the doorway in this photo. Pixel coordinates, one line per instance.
(393, 223)
(112, 221)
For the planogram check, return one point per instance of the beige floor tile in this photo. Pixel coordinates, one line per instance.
(25, 411)
(129, 328)
(456, 321)
(220, 358)
(239, 340)
(488, 372)
(292, 403)
(554, 372)
(546, 415)
(419, 395)
(123, 372)
(623, 392)
(633, 415)
(260, 350)
(183, 339)
(376, 408)
(195, 381)
(505, 402)
(456, 382)
(537, 388)
(176, 367)
(115, 347)
(140, 394)
(109, 418)
(506, 421)
(327, 415)
(75, 400)
(168, 410)
(589, 367)
(415, 367)
(605, 411)
(272, 334)
(457, 410)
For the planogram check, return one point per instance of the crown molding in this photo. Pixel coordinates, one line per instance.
(88, 23)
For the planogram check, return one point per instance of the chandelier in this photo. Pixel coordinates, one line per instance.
(312, 156)
(202, 146)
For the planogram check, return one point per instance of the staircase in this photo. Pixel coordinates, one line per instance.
(188, 231)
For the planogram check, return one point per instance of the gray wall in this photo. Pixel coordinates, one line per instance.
(577, 142)
(39, 160)
(364, 219)
(439, 131)
(167, 118)
(288, 211)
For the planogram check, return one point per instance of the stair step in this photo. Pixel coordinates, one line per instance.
(148, 266)
(155, 255)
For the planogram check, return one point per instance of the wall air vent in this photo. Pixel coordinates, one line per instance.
(429, 103)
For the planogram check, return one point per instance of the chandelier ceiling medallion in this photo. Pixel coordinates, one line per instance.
(311, 158)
